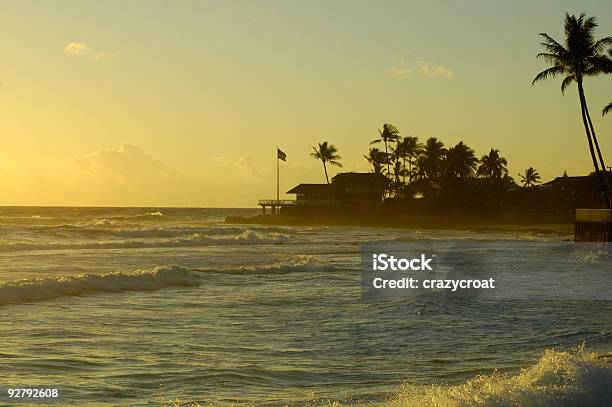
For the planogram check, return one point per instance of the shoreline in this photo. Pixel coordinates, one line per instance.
(559, 228)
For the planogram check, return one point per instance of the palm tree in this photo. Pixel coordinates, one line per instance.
(460, 161)
(388, 134)
(377, 158)
(607, 109)
(431, 160)
(327, 154)
(492, 165)
(398, 172)
(530, 178)
(581, 56)
(409, 148)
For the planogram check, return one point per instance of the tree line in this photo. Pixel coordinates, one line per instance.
(421, 169)
(430, 169)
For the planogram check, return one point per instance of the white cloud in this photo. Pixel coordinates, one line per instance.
(401, 71)
(425, 68)
(246, 166)
(77, 48)
(435, 71)
(83, 49)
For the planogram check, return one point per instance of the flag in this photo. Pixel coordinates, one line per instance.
(280, 155)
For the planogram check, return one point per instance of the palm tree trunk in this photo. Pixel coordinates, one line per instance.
(325, 168)
(586, 109)
(387, 158)
(591, 149)
(404, 174)
(600, 156)
(410, 170)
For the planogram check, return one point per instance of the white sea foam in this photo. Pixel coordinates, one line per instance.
(54, 287)
(559, 379)
(299, 264)
(248, 237)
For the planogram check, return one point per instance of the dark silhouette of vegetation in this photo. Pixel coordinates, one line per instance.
(607, 109)
(460, 161)
(492, 166)
(388, 134)
(408, 148)
(377, 159)
(580, 57)
(327, 154)
(531, 177)
(448, 179)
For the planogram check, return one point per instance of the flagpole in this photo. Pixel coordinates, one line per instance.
(277, 177)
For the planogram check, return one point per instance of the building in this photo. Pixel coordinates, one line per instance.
(349, 188)
(576, 192)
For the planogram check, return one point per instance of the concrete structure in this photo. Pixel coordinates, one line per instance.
(593, 225)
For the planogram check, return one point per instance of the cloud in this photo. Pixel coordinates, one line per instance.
(425, 68)
(435, 71)
(402, 71)
(77, 48)
(128, 175)
(246, 166)
(83, 49)
(125, 175)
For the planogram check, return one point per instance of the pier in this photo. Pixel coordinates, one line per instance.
(275, 205)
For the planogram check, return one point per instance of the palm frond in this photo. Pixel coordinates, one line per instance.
(601, 45)
(566, 82)
(549, 73)
(607, 109)
(551, 45)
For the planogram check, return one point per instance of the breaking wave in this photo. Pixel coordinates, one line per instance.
(142, 232)
(559, 379)
(54, 287)
(248, 237)
(301, 264)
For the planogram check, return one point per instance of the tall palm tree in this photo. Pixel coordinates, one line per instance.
(431, 160)
(460, 161)
(581, 56)
(327, 154)
(492, 165)
(388, 134)
(377, 158)
(530, 178)
(409, 148)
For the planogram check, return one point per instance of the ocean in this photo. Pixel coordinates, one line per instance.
(162, 306)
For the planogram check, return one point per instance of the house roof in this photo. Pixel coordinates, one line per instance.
(362, 178)
(586, 181)
(311, 189)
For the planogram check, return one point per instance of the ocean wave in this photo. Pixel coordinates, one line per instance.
(559, 378)
(142, 232)
(300, 264)
(248, 237)
(54, 287)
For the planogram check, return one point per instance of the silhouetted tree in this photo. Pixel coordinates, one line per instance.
(377, 158)
(431, 161)
(409, 148)
(388, 134)
(460, 161)
(580, 57)
(398, 172)
(530, 178)
(327, 154)
(492, 166)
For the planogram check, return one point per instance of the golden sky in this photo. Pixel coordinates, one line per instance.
(183, 103)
